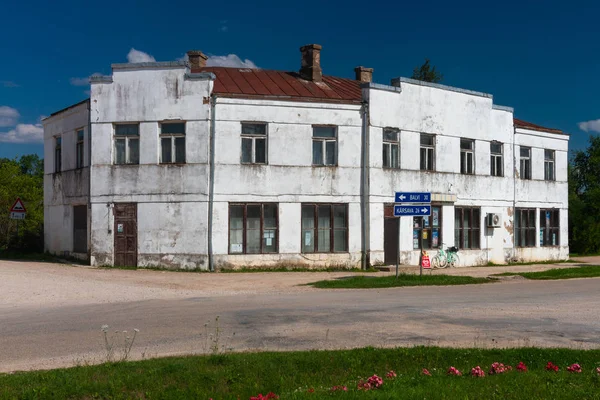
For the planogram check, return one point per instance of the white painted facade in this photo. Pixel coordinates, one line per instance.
(173, 200)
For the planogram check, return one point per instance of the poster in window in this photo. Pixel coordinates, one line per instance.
(553, 239)
(415, 223)
(307, 239)
(541, 237)
(425, 234)
(548, 218)
(119, 228)
(435, 215)
(415, 243)
(236, 248)
(426, 222)
(434, 238)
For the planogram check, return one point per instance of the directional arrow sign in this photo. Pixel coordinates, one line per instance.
(413, 197)
(411, 211)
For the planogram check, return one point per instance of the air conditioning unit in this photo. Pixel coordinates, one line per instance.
(494, 220)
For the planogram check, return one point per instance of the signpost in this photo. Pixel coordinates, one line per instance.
(18, 212)
(423, 208)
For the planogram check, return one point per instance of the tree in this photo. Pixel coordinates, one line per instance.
(427, 73)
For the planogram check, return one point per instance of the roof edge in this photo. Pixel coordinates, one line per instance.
(521, 124)
(149, 65)
(503, 108)
(399, 80)
(66, 109)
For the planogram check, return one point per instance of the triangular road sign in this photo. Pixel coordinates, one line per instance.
(18, 207)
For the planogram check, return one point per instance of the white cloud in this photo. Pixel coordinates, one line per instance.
(8, 116)
(9, 84)
(224, 26)
(230, 60)
(136, 56)
(23, 133)
(593, 125)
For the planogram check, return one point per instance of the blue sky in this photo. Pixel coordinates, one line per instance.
(543, 60)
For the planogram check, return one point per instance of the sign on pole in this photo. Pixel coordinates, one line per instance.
(412, 197)
(18, 211)
(411, 211)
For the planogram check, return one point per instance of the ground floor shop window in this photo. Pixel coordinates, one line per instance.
(525, 227)
(324, 228)
(253, 228)
(467, 225)
(427, 231)
(549, 228)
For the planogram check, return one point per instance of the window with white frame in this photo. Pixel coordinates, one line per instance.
(79, 149)
(427, 152)
(391, 148)
(57, 154)
(496, 162)
(549, 174)
(127, 144)
(467, 156)
(525, 162)
(254, 143)
(172, 143)
(324, 143)
(549, 227)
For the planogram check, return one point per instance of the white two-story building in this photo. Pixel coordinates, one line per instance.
(201, 167)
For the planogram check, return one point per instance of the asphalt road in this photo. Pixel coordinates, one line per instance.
(51, 315)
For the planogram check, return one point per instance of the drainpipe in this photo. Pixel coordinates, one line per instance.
(514, 167)
(89, 199)
(211, 180)
(364, 198)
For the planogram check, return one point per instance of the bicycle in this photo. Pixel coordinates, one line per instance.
(444, 258)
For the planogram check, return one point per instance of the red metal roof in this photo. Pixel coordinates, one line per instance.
(279, 84)
(519, 123)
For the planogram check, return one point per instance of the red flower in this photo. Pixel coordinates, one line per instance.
(574, 368)
(551, 367)
(478, 372)
(268, 396)
(391, 374)
(375, 381)
(521, 367)
(336, 388)
(499, 368)
(453, 371)
(426, 371)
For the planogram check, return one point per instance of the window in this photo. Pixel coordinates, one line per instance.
(80, 229)
(253, 228)
(549, 165)
(172, 143)
(427, 152)
(79, 149)
(324, 145)
(525, 162)
(525, 227)
(254, 143)
(496, 163)
(324, 228)
(549, 228)
(127, 144)
(467, 159)
(57, 154)
(391, 148)
(427, 231)
(467, 225)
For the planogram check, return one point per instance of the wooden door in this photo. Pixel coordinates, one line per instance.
(390, 240)
(125, 234)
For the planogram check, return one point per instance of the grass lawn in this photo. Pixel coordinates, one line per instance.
(312, 374)
(366, 282)
(587, 271)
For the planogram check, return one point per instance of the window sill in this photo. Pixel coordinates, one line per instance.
(176, 164)
(324, 166)
(391, 168)
(255, 164)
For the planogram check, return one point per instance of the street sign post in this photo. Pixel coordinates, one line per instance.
(412, 197)
(412, 209)
(18, 212)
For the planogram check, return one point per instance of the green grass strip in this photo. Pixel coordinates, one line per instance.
(312, 374)
(374, 282)
(587, 271)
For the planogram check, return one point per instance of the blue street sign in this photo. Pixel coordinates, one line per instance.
(411, 211)
(413, 197)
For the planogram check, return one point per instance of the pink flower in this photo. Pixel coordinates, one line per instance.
(391, 374)
(426, 371)
(337, 388)
(311, 390)
(364, 385)
(268, 396)
(499, 368)
(598, 370)
(551, 367)
(574, 368)
(375, 381)
(521, 367)
(453, 371)
(478, 372)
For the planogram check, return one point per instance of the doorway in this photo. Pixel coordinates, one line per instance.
(125, 232)
(390, 235)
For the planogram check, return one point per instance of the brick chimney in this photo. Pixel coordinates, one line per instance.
(197, 59)
(310, 69)
(364, 74)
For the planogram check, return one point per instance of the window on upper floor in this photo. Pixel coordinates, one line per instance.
(324, 145)
(253, 228)
(324, 228)
(127, 144)
(254, 143)
(467, 227)
(427, 152)
(467, 156)
(549, 171)
(79, 149)
(525, 162)
(525, 227)
(172, 143)
(496, 161)
(57, 154)
(391, 148)
(549, 227)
